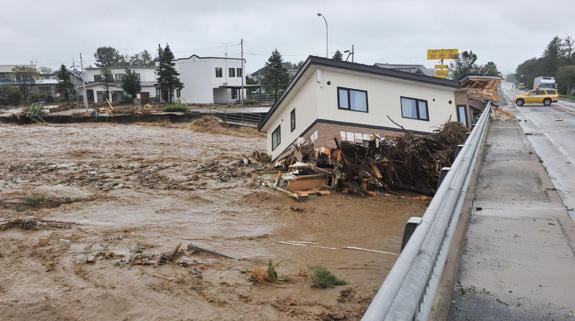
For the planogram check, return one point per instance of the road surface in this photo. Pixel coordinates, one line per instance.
(551, 132)
(518, 262)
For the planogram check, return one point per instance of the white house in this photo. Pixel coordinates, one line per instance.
(210, 80)
(96, 89)
(351, 101)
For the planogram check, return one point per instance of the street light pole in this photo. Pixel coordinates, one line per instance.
(326, 34)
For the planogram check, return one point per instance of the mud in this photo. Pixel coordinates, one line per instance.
(109, 204)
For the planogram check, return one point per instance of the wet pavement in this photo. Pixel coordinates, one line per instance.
(551, 132)
(518, 262)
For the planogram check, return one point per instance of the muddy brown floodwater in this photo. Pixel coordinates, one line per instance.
(92, 208)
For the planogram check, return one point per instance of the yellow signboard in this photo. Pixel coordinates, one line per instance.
(443, 73)
(438, 54)
(441, 67)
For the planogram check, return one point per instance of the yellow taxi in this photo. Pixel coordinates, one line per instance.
(539, 96)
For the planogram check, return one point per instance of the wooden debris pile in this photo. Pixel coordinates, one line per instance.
(405, 162)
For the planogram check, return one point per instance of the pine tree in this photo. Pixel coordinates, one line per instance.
(65, 86)
(168, 80)
(107, 78)
(276, 78)
(552, 57)
(338, 56)
(131, 83)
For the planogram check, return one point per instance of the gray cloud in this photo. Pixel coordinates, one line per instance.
(398, 31)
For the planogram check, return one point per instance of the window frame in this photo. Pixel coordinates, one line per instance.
(417, 101)
(232, 72)
(239, 72)
(279, 138)
(349, 108)
(292, 120)
(459, 118)
(220, 72)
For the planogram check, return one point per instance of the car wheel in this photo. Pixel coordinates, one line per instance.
(520, 102)
(546, 101)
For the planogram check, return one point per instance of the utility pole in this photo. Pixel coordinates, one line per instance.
(75, 72)
(243, 72)
(159, 92)
(83, 83)
(350, 53)
(326, 34)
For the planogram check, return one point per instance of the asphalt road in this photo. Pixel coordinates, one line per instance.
(551, 132)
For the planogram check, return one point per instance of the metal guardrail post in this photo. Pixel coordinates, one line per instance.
(409, 228)
(410, 285)
(442, 175)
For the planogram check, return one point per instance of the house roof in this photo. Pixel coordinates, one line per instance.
(406, 67)
(122, 67)
(194, 55)
(351, 66)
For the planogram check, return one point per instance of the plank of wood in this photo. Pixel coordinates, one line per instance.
(306, 182)
(368, 250)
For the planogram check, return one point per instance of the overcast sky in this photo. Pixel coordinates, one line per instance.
(397, 31)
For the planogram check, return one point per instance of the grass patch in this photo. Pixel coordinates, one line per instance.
(322, 278)
(178, 107)
(568, 97)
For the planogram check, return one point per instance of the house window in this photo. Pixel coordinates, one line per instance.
(462, 115)
(118, 77)
(352, 99)
(277, 137)
(138, 76)
(414, 108)
(219, 72)
(97, 77)
(232, 72)
(292, 119)
(239, 72)
(234, 93)
(178, 92)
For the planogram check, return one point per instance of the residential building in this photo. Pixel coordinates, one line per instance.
(351, 101)
(96, 89)
(417, 69)
(210, 80)
(38, 83)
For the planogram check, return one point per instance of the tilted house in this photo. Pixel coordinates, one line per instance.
(330, 99)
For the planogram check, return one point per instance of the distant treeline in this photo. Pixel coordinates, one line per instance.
(558, 60)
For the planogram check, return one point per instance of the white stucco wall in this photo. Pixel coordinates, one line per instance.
(305, 103)
(199, 77)
(146, 74)
(314, 99)
(383, 96)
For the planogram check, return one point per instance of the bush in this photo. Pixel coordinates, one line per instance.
(10, 95)
(322, 278)
(176, 108)
(35, 98)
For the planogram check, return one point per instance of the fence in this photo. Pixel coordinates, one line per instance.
(409, 289)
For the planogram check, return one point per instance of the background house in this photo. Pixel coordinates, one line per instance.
(210, 80)
(351, 101)
(96, 89)
(39, 84)
(417, 69)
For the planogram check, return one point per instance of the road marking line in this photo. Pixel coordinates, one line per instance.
(563, 109)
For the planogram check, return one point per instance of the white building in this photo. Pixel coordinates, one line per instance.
(210, 80)
(96, 89)
(351, 101)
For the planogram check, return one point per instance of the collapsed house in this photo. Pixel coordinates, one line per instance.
(360, 127)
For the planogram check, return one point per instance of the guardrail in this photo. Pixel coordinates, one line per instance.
(409, 289)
